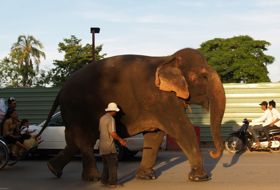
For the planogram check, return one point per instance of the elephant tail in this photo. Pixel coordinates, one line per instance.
(52, 111)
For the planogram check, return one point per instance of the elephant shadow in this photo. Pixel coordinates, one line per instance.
(210, 163)
(170, 162)
(131, 175)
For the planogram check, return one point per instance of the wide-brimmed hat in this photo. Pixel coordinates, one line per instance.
(112, 107)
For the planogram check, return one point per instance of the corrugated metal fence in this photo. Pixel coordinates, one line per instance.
(242, 102)
(32, 103)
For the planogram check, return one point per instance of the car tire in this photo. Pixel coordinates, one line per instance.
(132, 153)
(120, 151)
(123, 152)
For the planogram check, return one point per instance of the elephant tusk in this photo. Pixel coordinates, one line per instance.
(187, 106)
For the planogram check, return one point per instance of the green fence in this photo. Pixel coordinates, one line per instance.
(32, 103)
(242, 102)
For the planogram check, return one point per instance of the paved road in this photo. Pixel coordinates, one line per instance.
(258, 170)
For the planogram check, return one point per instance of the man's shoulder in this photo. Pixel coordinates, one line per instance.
(106, 118)
(275, 112)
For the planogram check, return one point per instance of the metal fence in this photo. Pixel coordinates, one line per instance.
(242, 102)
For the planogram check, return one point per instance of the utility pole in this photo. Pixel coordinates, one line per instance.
(93, 31)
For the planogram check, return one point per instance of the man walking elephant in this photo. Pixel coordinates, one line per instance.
(107, 128)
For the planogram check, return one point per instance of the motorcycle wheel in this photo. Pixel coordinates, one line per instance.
(4, 154)
(276, 150)
(234, 144)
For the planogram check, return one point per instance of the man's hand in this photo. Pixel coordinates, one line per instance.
(122, 142)
(118, 138)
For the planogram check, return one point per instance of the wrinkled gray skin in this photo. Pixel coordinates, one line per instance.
(152, 93)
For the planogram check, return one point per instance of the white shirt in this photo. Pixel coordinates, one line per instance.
(275, 115)
(265, 119)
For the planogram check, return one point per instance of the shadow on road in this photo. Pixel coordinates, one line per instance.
(210, 163)
(129, 176)
(234, 159)
(168, 163)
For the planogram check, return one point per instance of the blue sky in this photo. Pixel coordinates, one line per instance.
(150, 27)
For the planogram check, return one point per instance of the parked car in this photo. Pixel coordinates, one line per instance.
(54, 139)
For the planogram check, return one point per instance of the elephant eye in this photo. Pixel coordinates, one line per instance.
(204, 76)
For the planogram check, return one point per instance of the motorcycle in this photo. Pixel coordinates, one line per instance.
(242, 140)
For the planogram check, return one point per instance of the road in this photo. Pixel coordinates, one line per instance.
(251, 170)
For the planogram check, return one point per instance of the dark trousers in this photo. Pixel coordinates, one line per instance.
(267, 128)
(110, 167)
(255, 130)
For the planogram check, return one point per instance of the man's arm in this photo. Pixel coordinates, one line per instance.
(260, 119)
(277, 116)
(273, 122)
(118, 138)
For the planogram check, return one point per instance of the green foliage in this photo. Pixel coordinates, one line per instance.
(75, 57)
(21, 66)
(238, 59)
(9, 73)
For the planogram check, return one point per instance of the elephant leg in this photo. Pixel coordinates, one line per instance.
(186, 139)
(152, 142)
(90, 171)
(57, 163)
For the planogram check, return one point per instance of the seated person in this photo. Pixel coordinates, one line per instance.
(264, 120)
(24, 128)
(11, 132)
(26, 133)
(275, 123)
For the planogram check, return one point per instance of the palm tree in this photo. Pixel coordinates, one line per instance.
(27, 53)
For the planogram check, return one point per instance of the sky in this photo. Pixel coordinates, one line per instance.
(149, 27)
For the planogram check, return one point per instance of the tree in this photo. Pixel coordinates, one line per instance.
(238, 59)
(9, 74)
(26, 53)
(75, 57)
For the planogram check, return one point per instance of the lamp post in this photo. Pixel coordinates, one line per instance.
(94, 30)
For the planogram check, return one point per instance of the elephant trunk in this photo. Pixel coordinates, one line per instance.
(217, 103)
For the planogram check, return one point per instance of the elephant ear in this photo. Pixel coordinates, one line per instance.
(170, 78)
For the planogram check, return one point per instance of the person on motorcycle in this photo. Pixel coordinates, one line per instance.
(264, 120)
(11, 132)
(275, 114)
(275, 123)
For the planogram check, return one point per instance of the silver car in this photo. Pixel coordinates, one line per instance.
(54, 139)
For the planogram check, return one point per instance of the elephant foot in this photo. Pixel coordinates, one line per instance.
(93, 176)
(146, 175)
(56, 172)
(198, 175)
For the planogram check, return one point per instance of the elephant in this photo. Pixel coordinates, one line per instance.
(153, 93)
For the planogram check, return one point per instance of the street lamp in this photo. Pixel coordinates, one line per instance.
(94, 30)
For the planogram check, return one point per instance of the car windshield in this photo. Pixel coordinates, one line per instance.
(56, 120)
